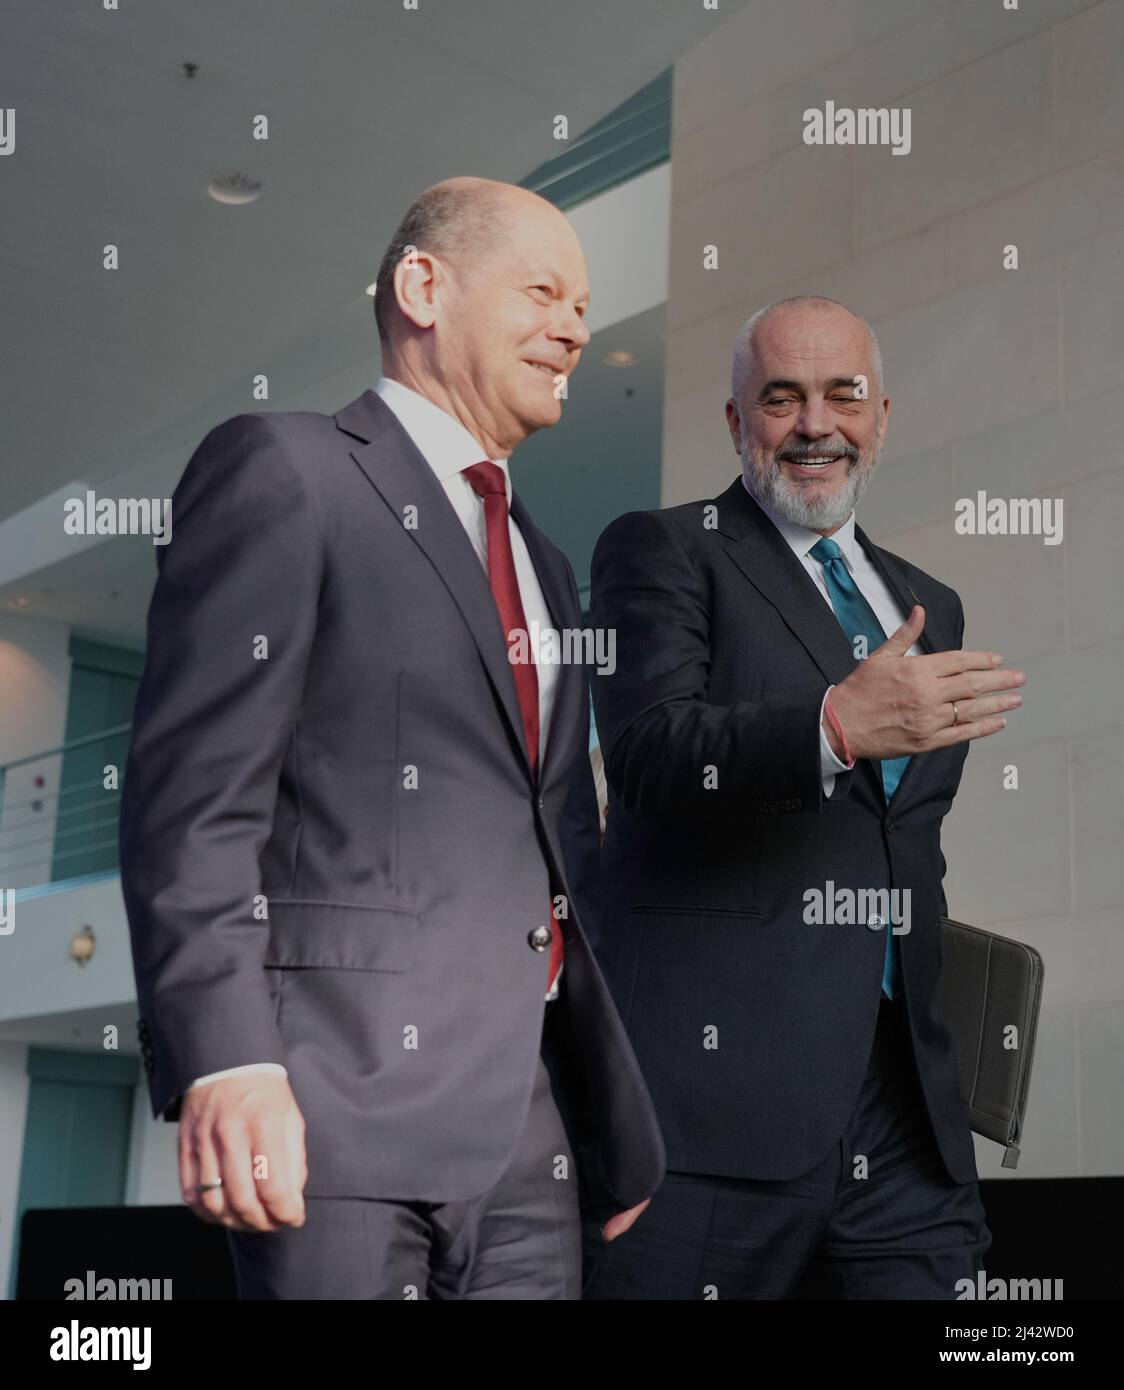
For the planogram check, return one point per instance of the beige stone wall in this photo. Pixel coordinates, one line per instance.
(1011, 381)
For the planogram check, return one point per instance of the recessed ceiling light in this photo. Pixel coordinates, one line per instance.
(234, 189)
(620, 358)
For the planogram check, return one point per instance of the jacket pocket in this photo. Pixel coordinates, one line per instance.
(682, 910)
(314, 934)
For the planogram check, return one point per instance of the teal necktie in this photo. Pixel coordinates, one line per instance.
(858, 619)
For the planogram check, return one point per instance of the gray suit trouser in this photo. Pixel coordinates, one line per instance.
(519, 1240)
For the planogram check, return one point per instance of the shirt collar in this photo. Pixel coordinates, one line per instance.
(440, 438)
(801, 539)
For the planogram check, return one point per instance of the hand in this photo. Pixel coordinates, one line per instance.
(894, 706)
(226, 1128)
(617, 1225)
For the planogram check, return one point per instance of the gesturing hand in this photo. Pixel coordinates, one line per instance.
(894, 706)
(248, 1131)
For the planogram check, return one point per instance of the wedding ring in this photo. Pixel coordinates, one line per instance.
(208, 1186)
(955, 715)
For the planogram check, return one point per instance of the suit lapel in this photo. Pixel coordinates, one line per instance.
(936, 636)
(400, 475)
(569, 689)
(766, 559)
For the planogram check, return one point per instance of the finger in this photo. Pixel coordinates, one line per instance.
(210, 1205)
(964, 733)
(899, 642)
(189, 1173)
(623, 1221)
(243, 1204)
(281, 1185)
(969, 711)
(952, 663)
(970, 684)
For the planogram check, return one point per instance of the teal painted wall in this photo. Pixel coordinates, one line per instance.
(76, 1137)
(103, 690)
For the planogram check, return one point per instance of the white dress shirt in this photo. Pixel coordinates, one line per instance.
(449, 448)
(869, 583)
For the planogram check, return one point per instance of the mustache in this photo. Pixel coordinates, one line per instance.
(801, 453)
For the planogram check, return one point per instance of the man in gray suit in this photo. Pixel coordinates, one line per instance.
(356, 826)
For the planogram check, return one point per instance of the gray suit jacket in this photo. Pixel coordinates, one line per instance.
(334, 854)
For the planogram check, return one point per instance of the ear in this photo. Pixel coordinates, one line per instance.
(734, 425)
(884, 422)
(417, 280)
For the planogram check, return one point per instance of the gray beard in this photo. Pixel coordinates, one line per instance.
(796, 505)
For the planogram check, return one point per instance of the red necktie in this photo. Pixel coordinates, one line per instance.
(488, 481)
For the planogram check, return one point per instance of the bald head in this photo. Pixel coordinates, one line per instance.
(460, 220)
(808, 412)
(745, 347)
(487, 318)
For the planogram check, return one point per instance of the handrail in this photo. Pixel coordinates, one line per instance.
(66, 747)
(57, 833)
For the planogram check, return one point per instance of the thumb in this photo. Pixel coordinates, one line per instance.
(898, 643)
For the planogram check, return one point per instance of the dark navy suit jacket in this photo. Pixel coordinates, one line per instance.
(753, 1028)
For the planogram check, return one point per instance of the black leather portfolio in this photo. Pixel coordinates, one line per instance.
(988, 996)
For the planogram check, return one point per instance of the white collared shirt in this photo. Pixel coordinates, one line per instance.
(869, 583)
(449, 448)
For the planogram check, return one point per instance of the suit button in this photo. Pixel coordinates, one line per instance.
(539, 939)
(541, 804)
(889, 822)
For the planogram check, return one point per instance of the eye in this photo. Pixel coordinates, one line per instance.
(544, 290)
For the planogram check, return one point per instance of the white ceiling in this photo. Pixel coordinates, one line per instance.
(367, 103)
(112, 373)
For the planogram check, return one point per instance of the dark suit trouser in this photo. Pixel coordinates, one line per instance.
(519, 1240)
(904, 1231)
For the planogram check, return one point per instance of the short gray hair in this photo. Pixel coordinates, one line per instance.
(456, 219)
(743, 347)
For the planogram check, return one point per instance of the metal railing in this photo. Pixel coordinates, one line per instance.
(58, 818)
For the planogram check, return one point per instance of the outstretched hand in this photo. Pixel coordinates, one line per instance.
(894, 706)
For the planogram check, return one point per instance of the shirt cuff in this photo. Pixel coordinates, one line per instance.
(274, 1068)
(830, 765)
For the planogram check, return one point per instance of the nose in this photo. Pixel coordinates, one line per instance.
(814, 419)
(572, 330)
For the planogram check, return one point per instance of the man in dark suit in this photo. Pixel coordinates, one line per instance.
(356, 822)
(783, 734)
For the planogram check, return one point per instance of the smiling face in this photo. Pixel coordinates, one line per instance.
(807, 440)
(499, 328)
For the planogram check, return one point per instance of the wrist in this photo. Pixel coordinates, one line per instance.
(834, 731)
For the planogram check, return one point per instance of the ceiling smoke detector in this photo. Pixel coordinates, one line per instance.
(234, 189)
